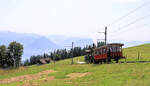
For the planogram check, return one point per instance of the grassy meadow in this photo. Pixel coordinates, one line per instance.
(63, 73)
(132, 52)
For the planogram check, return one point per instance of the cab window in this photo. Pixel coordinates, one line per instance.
(116, 49)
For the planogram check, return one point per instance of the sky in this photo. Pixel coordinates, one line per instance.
(77, 18)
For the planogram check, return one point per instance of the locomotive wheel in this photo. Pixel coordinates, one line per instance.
(108, 60)
(104, 61)
(96, 61)
(91, 61)
(100, 61)
(117, 60)
(86, 58)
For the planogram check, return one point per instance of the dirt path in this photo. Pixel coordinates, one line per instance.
(77, 75)
(27, 78)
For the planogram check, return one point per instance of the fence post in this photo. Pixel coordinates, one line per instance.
(126, 59)
(138, 56)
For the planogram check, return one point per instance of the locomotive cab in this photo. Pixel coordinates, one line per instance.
(105, 53)
(115, 50)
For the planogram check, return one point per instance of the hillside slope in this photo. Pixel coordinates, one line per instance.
(132, 52)
(62, 73)
(65, 74)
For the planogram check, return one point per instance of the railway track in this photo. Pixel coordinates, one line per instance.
(136, 62)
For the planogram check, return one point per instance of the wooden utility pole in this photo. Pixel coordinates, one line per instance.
(105, 33)
(72, 53)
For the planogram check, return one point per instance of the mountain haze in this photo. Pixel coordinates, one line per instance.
(33, 44)
(36, 44)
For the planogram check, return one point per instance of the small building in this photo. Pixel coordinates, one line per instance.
(44, 61)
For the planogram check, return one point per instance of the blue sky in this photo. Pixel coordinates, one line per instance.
(79, 18)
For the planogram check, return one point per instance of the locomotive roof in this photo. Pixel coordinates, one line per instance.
(118, 44)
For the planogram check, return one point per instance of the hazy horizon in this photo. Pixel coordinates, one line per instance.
(76, 18)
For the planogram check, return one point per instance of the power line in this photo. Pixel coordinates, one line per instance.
(141, 18)
(146, 3)
(140, 26)
(131, 23)
(135, 28)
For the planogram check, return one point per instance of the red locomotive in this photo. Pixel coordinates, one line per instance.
(104, 53)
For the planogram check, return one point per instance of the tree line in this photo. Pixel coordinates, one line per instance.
(11, 56)
(56, 55)
(61, 54)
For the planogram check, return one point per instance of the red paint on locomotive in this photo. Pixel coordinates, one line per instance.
(102, 52)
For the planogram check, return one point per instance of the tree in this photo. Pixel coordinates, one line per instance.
(60, 54)
(26, 63)
(99, 44)
(3, 56)
(15, 51)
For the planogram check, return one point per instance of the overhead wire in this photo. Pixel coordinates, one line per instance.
(126, 15)
(133, 22)
(139, 27)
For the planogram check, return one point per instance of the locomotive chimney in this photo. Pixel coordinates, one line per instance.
(94, 46)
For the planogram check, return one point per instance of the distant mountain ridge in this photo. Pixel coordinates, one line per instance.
(35, 44)
(65, 41)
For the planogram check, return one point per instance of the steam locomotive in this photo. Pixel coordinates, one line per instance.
(104, 54)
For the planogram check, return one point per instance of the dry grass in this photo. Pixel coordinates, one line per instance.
(27, 78)
(77, 75)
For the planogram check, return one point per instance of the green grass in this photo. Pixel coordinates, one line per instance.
(121, 74)
(132, 52)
